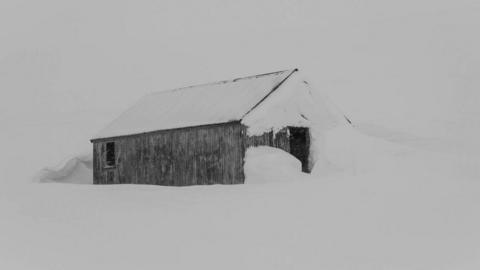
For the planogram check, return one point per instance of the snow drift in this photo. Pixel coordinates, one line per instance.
(385, 206)
(340, 150)
(77, 170)
(265, 164)
(262, 165)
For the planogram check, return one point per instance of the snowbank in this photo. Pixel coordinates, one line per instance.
(262, 165)
(297, 103)
(370, 204)
(76, 170)
(401, 208)
(341, 150)
(265, 164)
(346, 150)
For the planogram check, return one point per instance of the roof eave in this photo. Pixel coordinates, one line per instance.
(94, 140)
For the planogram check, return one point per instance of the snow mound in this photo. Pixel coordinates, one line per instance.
(262, 164)
(75, 170)
(341, 150)
(345, 149)
(265, 164)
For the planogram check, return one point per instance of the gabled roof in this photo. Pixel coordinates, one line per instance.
(205, 104)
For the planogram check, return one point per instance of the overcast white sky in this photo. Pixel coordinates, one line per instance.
(68, 67)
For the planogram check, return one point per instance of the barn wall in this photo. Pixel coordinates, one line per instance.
(212, 154)
(280, 140)
(189, 156)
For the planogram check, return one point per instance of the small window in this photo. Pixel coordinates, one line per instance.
(110, 154)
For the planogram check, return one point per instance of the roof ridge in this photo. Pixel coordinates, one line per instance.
(256, 91)
(223, 81)
(271, 91)
(263, 74)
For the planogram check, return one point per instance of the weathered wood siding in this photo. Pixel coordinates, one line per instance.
(202, 155)
(189, 156)
(279, 140)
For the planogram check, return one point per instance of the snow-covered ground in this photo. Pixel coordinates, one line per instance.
(398, 190)
(375, 205)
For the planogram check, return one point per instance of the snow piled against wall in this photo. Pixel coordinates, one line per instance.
(77, 169)
(265, 164)
(339, 150)
(368, 204)
(297, 103)
(262, 165)
(384, 206)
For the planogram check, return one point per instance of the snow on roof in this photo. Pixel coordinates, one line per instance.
(295, 103)
(204, 104)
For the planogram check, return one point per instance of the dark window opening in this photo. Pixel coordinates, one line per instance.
(300, 145)
(110, 154)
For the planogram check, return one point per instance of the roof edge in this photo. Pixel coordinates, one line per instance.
(95, 140)
(222, 81)
(290, 72)
(269, 93)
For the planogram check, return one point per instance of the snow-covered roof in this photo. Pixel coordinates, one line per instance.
(204, 104)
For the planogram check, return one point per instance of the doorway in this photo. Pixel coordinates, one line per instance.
(300, 145)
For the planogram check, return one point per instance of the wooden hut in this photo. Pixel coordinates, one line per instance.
(195, 135)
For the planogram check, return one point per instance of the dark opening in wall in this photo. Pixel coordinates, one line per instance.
(110, 154)
(300, 145)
